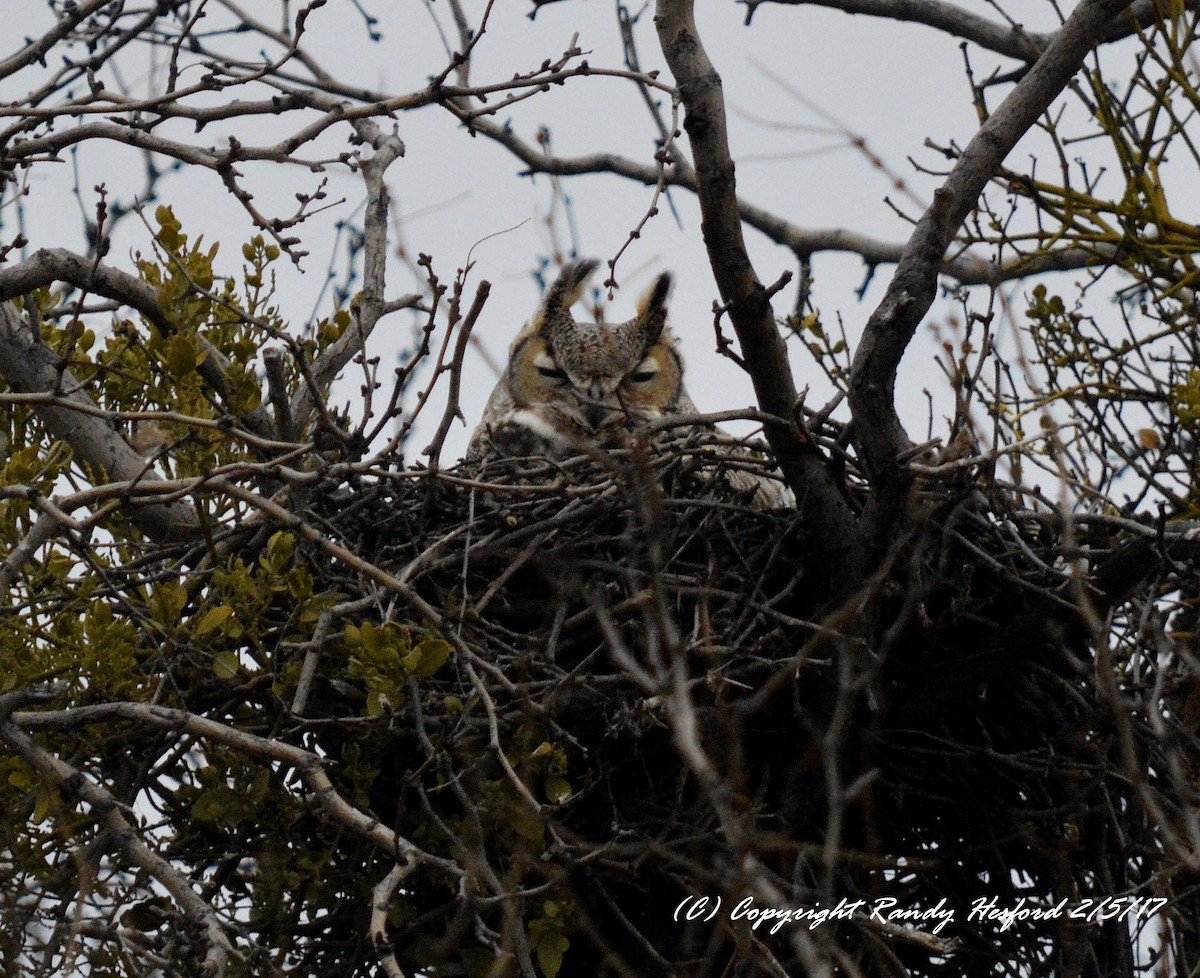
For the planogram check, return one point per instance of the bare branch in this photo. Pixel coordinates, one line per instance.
(1010, 40)
(945, 17)
(72, 17)
(308, 765)
(453, 411)
(381, 901)
(878, 431)
(823, 508)
(126, 838)
(373, 305)
(45, 529)
(965, 268)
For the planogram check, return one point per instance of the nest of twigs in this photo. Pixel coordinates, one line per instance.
(643, 668)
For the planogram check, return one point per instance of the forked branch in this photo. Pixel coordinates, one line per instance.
(880, 436)
(50, 265)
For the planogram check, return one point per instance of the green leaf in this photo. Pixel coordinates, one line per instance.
(46, 797)
(372, 639)
(377, 700)
(547, 939)
(168, 601)
(478, 962)
(182, 356)
(225, 665)
(557, 790)
(213, 618)
(528, 824)
(169, 229)
(550, 951)
(146, 915)
(211, 805)
(427, 657)
(281, 546)
(259, 785)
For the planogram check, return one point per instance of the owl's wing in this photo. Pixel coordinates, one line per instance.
(508, 430)
(743, 467)
(765, 490)
(499, 406)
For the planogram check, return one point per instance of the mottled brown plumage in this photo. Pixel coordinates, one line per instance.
(569, 385)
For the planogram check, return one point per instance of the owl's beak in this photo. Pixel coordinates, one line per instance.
(599, 404)
(595, 413)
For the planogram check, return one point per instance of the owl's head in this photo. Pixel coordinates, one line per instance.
(591, 383)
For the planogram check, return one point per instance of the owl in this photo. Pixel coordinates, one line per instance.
(569, 385)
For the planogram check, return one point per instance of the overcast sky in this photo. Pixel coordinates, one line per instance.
(793, 79)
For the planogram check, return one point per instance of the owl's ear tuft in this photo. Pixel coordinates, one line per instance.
(652, 309)
(566, 290)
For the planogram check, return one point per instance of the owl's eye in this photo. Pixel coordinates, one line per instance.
(552, 373)
(645, 372)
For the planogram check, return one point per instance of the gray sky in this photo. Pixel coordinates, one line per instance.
(796, 82)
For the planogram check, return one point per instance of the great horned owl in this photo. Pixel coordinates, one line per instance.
(569, 386)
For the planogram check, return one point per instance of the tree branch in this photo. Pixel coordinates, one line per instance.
(107, 810)
(72, 17)
(824, 511)
(28, 365)
(49, 265)
(452, 410)
(1010, 40)
(373, 305)
(966, 268)
(308, 765)
(878, 432)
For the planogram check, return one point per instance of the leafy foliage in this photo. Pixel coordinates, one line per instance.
(352, 715)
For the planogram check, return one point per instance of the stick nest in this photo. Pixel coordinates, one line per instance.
(647, 687)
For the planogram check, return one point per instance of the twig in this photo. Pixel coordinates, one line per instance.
(452, 411)
(105, 807)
